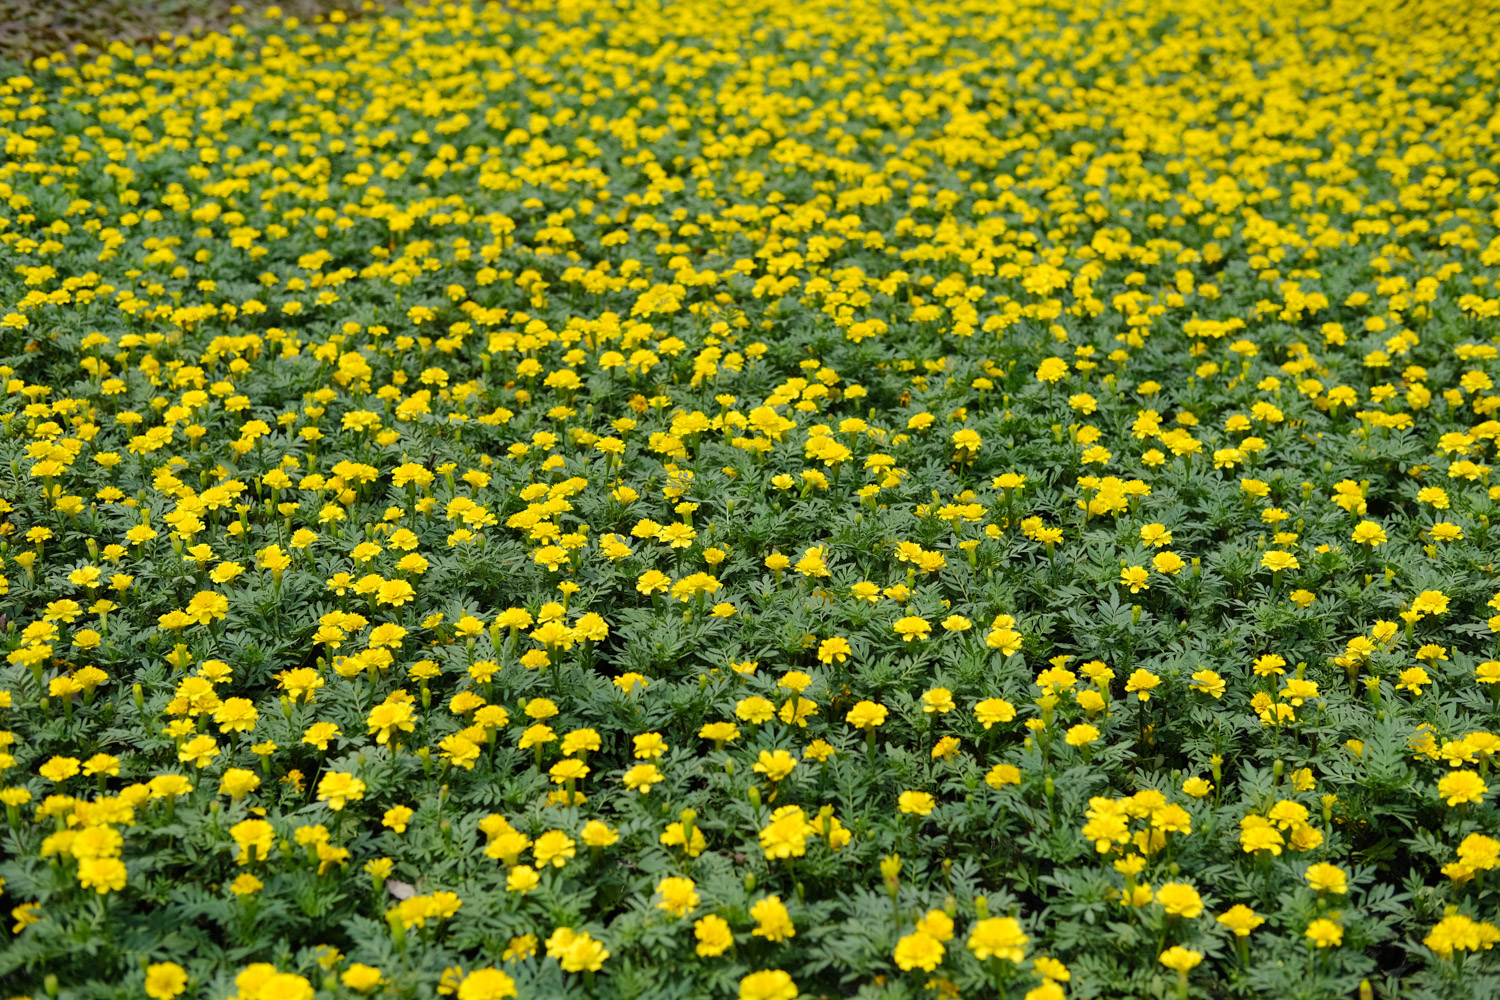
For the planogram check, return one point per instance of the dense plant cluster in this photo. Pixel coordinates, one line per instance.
(837, 498)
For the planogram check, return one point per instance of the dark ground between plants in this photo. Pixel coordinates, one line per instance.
(31, 29)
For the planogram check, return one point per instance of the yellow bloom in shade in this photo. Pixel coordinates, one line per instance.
(1277, 561)
(834, 650)
(1051, 370)
(522, 879)
(337, 789)
(60, 769)
(576, 951)
(238, 782)
(1208, 682)
(772, 921)
(866, 715)
(992, 710)
(1327, 878)
(1180, 900)
(786, 834)
(1081, 735)
(200, 750)
(1240, 919)
(103, 875)
(246, 885)
(999, 937)
(553, 848)
(486, 984)
(937, 925)
(1049, 990)
(1141, 683)
(919, 951)
(1168, 563)
(916, 803)
(268, 984)
(397, 817)
(1457, 932)
(912, 627)
(165, 980)
(597, 834)
(713, 935)
(361, 978)
(1413, 679)
(776, 765)
(641, 777)
(1325, 933)
(1003, 774)
(518, 948)
(1135, 577)
(1430, 602)
(1180, 959)
(678, 895)
(1051, 968)
(1197, 787)
(768, 984)
(938, 700)
(1461, 787)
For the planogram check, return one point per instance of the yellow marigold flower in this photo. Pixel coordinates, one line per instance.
(713, 936)
(776, 765)
(998, 937)
(1461, 787)
(165, 980)
(1180, 900)
(103, 875)
(1325, 933)
(938, 700)
(678, 895)
(912, 627)
(1081, 735)
(919, 951)
(1327, 878)
(1052, 370)
(1180, 959)
(642, 777)
(1141, 683)
(1240, 919)
(1277, 561)
(768, 984)
(486, 984)
(338, 788)
(361, 978)
(786, 834)
(772, 921)
(1003, 774)
(916, 803)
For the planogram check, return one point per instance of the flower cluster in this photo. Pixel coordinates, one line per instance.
(970, 497)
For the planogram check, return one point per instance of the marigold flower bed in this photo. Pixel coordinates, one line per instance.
(942, 499)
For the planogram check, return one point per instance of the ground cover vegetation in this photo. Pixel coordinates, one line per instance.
(974, 498)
